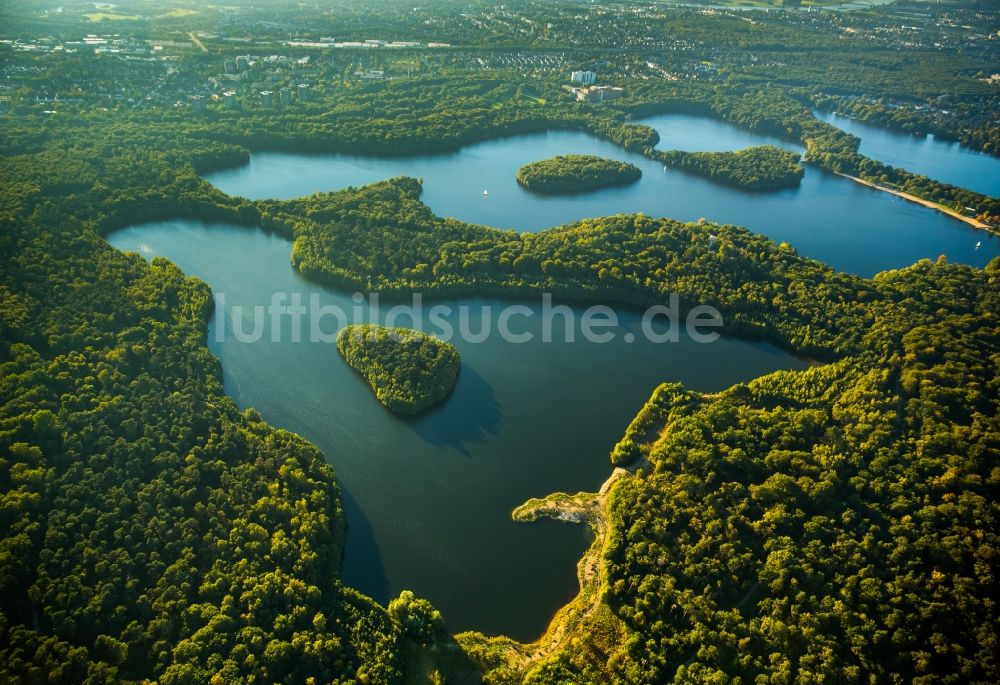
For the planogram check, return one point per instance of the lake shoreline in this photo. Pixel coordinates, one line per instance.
(806, 216)
(501, 427)
(584, 508)
(975, 223)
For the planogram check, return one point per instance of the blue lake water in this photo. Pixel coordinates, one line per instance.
(833, 219)
(429, 499)
(938, 159)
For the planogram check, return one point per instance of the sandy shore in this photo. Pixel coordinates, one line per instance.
(921, 201)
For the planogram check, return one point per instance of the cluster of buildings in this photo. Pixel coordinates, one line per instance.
(230, 100)
(370, 74)
(91, 43)
(370, 43)
(238, 68)
(598, 93)
(269, 92)
(588, 92)
(525, 63)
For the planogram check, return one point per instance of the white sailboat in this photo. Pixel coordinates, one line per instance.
(485, 193)
(979, 244)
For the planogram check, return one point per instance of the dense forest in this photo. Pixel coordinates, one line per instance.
(838, 523)
(756, 168)
(382, 238)
(786, 115)
(151, 530)
(407, 370)
(913, 119)
(443, 114)
(823, 524)
(576, 174)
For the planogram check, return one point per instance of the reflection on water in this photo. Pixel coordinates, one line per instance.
(849, 226)
(937, 159)
(428, 499)
(476, 415)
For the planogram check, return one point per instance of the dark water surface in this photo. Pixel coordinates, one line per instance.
(429, 499)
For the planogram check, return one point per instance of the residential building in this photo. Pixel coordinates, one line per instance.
(598, 93)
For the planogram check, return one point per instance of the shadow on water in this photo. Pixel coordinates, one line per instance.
(470, 415)
(363, 568)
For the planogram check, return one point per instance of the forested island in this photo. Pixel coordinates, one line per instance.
(834, 524)
(407, 370)
(114, 406)
(566, 174)
(756, 168)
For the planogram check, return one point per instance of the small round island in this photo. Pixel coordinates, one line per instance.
(408, 371)
(569, 174)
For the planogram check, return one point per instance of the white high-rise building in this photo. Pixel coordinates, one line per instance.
(586, 78)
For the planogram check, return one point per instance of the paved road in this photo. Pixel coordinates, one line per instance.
(194, 39)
